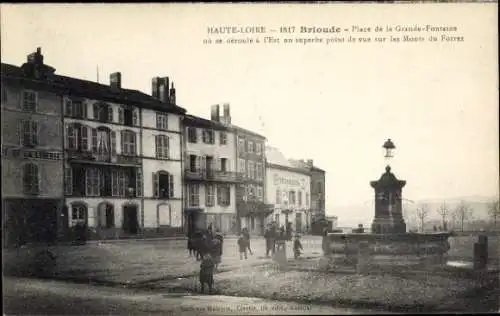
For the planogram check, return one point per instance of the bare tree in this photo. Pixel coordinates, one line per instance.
(494, 212)
(463, 212)
(443, 212)
(422, 212)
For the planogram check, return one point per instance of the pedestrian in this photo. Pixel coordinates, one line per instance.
(207, 267)
(217, 245)
(246, 234)
(281, 239)
(242, 246)
(269, 240)
(289, 231)
(297, 247)
(325, 242)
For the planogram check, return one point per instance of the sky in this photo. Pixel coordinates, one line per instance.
(335, 104)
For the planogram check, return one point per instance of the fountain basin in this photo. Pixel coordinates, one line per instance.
(388, 249)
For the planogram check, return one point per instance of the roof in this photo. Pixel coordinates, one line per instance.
(275, 157)
(191, 120)
(89, 89)
(246, 131)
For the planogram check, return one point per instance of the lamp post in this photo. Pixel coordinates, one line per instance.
(389, 149)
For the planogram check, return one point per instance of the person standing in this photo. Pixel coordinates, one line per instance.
(242, 246)
(269, 240)
(246, 235)
(297, 247)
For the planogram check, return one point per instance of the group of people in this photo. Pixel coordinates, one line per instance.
(276, 239)
(206, 243)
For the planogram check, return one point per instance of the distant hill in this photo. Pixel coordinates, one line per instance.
(352, 215)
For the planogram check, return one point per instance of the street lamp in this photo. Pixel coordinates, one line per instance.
(389, 149)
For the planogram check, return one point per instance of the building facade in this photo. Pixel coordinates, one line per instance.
(317, 187)
(252, 208)
(210, 175)
(32, 155)
(288, 189)
(120, 172)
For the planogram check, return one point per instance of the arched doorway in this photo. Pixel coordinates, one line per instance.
(130, 219)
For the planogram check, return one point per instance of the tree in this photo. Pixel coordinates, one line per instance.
(422, 212)
(494, 212)
(463, 212)
(443, 212)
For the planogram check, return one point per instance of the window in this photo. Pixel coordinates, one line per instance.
(163, 184)
(29, 101)
(161, 121)
(76, 108)
(250, 146)
(307, 199)
(138, 182)
(192, 135)
(119, 182)
(223, 165)
(259, 171)
(93, 181)
(194, 195)
(278, 196)
(299, 198)
(260, 193)
(258, 148)
(291, 197)
(68, 180)
(128, 116)
(31, 179)
(241, 166)
(223, 138)
(103, 112)
(241, 145)
(77, 137)
(78, 213)
(223, 195)
(208, 136)
(28, 132)
(128, 145)
(162, 146)
(251, 169)
(251, 194)
(210, 195)
(194, 163)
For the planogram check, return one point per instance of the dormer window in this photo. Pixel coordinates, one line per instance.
(76, 108)
(128, 116)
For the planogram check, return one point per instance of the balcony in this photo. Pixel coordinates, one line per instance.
(211, 175)
(81, 156)
(253, 207)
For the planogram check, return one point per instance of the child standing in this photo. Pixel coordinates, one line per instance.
(242, 245)
(207, 272)
(297, 247)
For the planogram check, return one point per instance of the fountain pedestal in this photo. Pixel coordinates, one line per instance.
(388, 244)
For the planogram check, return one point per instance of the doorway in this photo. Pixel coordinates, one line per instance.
(130, 219)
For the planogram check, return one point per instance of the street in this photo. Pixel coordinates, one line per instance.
(31, 296)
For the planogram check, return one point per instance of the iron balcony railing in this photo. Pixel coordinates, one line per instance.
(210, 174)
(89, 156)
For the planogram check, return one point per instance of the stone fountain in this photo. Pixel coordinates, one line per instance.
(388, 244)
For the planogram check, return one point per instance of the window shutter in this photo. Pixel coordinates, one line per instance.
(110, 113)
(156, 185)
(96, 111)
(135, 120)
(122, 143)
(85, 138)
(113, 142)
(197, 163)
(157, 146)
(228, 192)
(219, 195)
(207, 195)
(84, 110)
(167, 147)
(218, 165)
(69, 108)
(66, 130)
(121, 115)
(171, 185)
(114, 183)
(94, 140)
(158, 120)
(138, 182)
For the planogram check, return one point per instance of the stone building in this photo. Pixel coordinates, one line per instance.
(288, 189)
(210, 175)
(32, 154)
(122, 157)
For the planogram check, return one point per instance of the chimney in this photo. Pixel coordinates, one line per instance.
(163, 88)
(215, 116)
(172, 99)
(227, 114)
(34, 65)
(310, 162)
(115, 80)
(155, 93)
(36, 57)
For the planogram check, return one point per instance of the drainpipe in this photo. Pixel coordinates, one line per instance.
(63, 157)
(181, 143)
(142, 172)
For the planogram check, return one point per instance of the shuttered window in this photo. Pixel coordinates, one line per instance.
(31, 179)
(162, 146)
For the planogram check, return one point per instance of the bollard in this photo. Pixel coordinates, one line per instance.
(481, 252)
